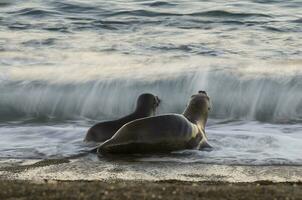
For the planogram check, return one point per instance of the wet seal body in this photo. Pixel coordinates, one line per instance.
(164, 133)
(145, 107)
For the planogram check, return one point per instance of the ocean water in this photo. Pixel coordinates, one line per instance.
(67, 64)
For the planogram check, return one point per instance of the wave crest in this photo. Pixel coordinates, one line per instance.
(234, 96)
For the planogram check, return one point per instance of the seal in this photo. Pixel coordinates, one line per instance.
(163, 133)
(146, 106)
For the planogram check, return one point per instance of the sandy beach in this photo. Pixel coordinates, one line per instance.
(173, 189)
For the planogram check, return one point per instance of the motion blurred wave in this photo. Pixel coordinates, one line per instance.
(235, 94)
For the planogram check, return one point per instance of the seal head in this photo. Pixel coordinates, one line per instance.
(146, 105)
(198, 109)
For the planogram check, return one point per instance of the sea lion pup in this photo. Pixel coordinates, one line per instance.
(163, 133)
(146, 106)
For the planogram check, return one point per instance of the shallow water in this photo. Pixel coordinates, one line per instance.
(66, 64)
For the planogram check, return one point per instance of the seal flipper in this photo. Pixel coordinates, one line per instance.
(205, 146)
(94, 150)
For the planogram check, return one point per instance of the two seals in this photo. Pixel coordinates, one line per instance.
(145, 107)
(163, 133)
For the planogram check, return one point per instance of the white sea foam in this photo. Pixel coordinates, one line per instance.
(237, 143)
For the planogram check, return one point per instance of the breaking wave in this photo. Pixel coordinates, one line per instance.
(233, 95)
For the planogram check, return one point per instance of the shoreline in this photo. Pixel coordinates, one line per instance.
(92, 168)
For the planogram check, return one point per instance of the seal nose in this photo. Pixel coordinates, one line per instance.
(202, 91)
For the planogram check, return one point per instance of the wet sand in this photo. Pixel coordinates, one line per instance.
(172, 189)
(91, 168)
